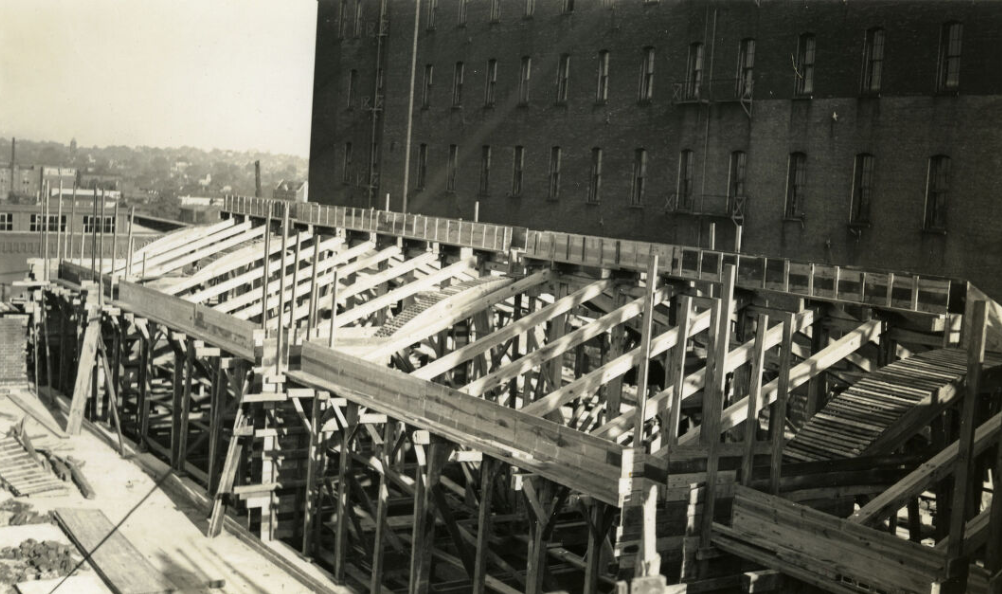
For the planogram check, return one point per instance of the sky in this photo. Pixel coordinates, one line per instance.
(227, 74)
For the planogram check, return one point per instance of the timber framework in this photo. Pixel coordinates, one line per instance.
(431, 405)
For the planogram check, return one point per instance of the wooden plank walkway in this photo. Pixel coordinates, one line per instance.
(895, 399)
(24, 475)
(116, 560)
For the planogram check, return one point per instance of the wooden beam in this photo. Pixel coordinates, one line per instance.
(560, 346)
(191, 258)
(820, 361)
(540, 316)
(85, 371)
(754, 394)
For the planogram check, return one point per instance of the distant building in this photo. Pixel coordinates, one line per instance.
(104, 181)
(203, 201)
(295, 191)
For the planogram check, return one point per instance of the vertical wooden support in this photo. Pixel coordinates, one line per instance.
(427, 475)
(993, 552)
(228, 475)
(143, 407)
(516, 352)
(282, 330)
(678, 369)
(177, 403)
(488, 472)
(382, 504)
(713, 399)
(266, 272)
(538, 498)
(558, 327)
(817, 387)
(217, 406)
(599, 517)
(754, 395)
(963, 473)
(73, 219)
(333, 325)
(343, 491)
(313, 467)
(777, 420)
(614, 389)
(129, 244)
(311, 320)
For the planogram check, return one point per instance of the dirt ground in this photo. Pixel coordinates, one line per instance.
(170, 534)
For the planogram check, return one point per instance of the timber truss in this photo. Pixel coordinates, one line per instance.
(426, 404)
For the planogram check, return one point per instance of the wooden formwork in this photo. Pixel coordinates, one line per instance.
(431, 405)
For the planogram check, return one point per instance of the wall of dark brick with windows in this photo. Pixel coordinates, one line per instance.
(902, 125)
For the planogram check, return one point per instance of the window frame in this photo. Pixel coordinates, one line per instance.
(745, 85)
(638, 187)
(694, 71)
(686, 179)
(874, 47)
(646, 90)
(463, 13)
(602, 90)
(524, 80)
(458, 74)
(553, 190)
(485, 170)
(346, 164)
(6, 221)
(594, 195)
(806, 61)
(737, 172)
(421, 179)
(495, 14)
(861, 196)
(357, 25)
(452, 168)
(352, 88)
(940, 171)
(517, 171)
(490, 83)
(431, 14)
(949, 68)
(426, 88)
(528, 9)
(796, 186)
(563, 78)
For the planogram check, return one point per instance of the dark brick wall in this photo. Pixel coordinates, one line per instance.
(13, 347)
(906, 125)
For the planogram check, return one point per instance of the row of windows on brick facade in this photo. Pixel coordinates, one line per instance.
(56, 223)
(948, 73)
(861, 198)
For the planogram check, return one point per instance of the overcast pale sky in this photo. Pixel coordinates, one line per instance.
(228, 74)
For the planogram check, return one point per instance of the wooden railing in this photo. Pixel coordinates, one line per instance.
(908, 292)
(481, 236)
(815, 281)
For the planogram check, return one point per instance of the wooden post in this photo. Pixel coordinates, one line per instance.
(754, 395)
(314, 288)
(677, 365)
(59, 223)
(963, 474)
(343, 492)
(777, 420)
(114, 244)
(177, 404)
(45, 235)
(73, 221)
(713, 399)
(817, 387)
(334, 285)
(488, 472)
(216, 409)
(266, 273)
(128, 261)
(427, 475)
(281, 330)
(313, 468)
(142, 407)
(389, 437)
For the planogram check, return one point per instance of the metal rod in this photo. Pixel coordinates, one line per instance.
(330, 339)
(410, 108)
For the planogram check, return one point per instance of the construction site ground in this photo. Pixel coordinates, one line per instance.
(168, 532)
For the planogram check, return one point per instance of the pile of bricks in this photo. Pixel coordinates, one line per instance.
(13, 347)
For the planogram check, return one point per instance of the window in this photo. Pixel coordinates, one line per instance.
(639, 177)
(422, 166)
(485, 170)
(602, 94)
(495, 11)
(568, 6)
(490, 88)
(595, 176)
(937, 193)
(563, 77)
(949, 56)
(694, 72)
(746, 69)
(686, 169)
(518, 162)
(873, 61)
(523, 81)
(528, 8)
(736, 179)
(554, 190)
(862, 186)
(453, 165)
(429, 72)
(91, 224)
(461, 17)
(457, 85)
(352, 88)
(6, 221)
(358, 18)
(432, 12)
(805, 66)
(346, 164)
(343, 20)
(647, 75)
(796, 185)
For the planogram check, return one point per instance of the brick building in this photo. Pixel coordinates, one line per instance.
(847, 132)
